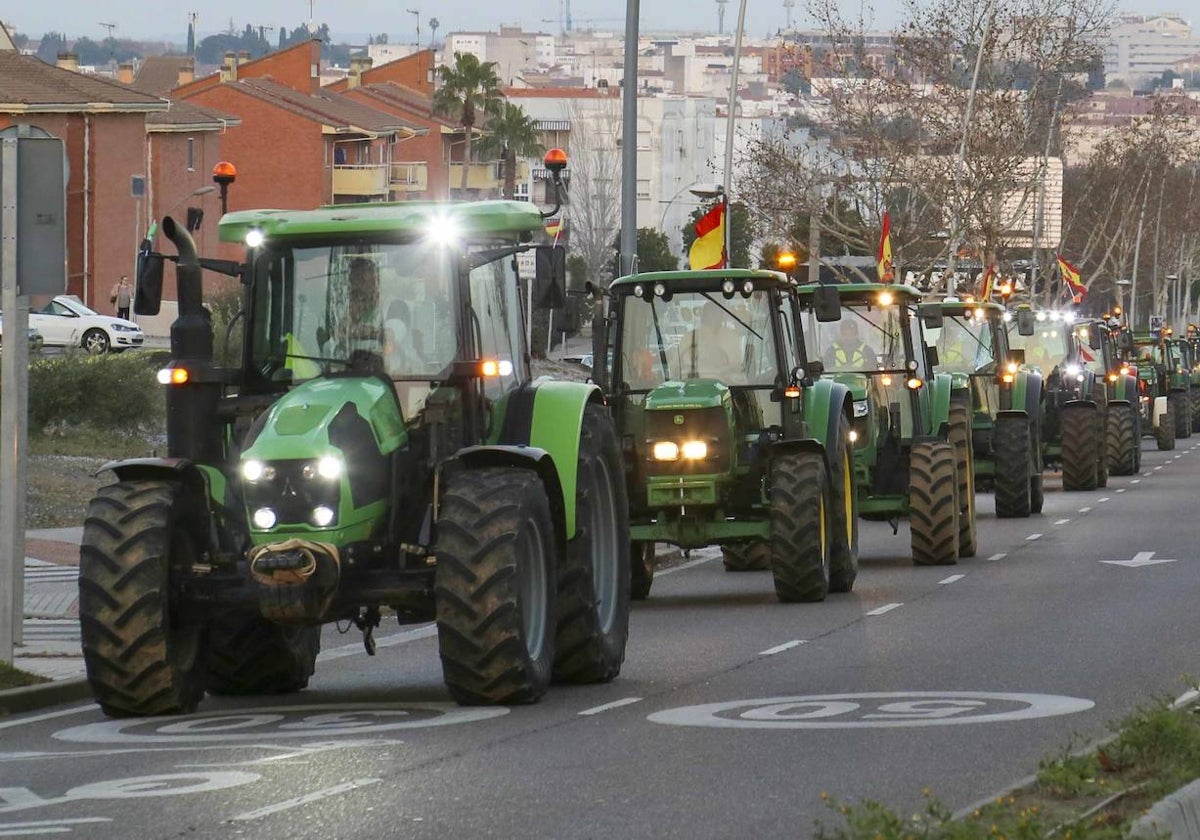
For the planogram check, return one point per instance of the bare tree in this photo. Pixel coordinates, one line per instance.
(594, 209)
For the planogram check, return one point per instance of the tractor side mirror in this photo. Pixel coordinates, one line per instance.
(147, 297)
(931, 316)
(931, 355)
(550, 277)
(1026, 322)
(1016, 356)
(827, 304)
(1095, 340)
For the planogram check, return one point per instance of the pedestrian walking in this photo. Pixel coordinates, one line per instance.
(122, 294)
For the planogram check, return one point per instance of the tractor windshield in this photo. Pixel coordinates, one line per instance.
(697, 335)
(1047, 348)
(964, 344)
(321, 304)
(867, 339)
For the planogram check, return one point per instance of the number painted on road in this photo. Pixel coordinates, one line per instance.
(264, 724)
(873, 710)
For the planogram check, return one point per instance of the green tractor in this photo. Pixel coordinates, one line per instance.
(1098, 358)
(1075, 405)
(726, 439)
(380, 446)
(1004, 398)
(1191, 350)
(912, 439)
(1185, 378)
(1163, 387)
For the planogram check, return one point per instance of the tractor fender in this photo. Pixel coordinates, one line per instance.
(1125, 390)
(1160, 408)
(528, 458)
(1090, 403)
(1027, 393)
(207, 484)
(823, 402)
(547, 414)
(941, 388)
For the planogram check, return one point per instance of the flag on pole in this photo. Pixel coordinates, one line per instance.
(989, 278)
(884, 259)
(1070, 276)
(708, 251)
(554, 227)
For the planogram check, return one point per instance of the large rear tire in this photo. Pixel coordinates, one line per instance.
(495, 586)
(1080, 447)
(1194, 393)
(1100, 397)
(641, 571)
(933, 508)
(1122, 440)
(1164, 435)
(1181, 405)
(594, 581)
(246, 654)
(964, 466)
(752, 556)
(142, 647)
(800, 517)
(843, 549)
(1012, 445)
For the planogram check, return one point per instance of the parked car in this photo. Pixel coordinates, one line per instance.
(35, 339)
(67, 322)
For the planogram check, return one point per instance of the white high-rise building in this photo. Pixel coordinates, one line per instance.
(1141, 47)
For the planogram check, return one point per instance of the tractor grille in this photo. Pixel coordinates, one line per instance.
(707, 424)
(290, 494)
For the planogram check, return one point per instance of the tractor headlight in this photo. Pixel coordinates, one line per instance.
(860, 408)
(329, 467)
(254, 471)
(1074, 370)
(666, 450)
(322, 516)
(695, 450)
(853, 436)
(264, 518)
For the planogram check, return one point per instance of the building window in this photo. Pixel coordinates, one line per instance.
(191, 154)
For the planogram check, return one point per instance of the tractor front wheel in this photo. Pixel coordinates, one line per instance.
(1194, 399)
(964, 463)
(246, 654)
(752, 556)
(1080, 447)
(1122, 440)
(843, 560)
(495, 585)
(142, 647)
(1164, 435)
(1013, 444)
(800, 517)
(1182, 407)
(594, 582)
(933, 507)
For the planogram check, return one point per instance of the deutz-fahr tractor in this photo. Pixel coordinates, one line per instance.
(726, 440)
(1098, 356)
(1075, 402)
(912, 441)
(1163, 386)
(381, 445)
(971, 344)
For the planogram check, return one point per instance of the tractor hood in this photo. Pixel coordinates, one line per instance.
(856, 382)
(694, 393)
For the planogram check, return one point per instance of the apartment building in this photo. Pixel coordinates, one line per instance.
(1141, 47)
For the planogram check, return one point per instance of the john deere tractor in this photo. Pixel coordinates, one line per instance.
(380, 446)
(1097, 355)
(912, 441)
(726, 439)
(1163, 387)
(1193, 358)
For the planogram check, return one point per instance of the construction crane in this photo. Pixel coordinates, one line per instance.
(110, 27)
(721, 16)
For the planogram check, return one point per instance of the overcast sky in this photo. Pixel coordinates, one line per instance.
(349, 19)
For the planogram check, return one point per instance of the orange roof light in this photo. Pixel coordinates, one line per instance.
(224, 172)
(786, 260)
(556, 160)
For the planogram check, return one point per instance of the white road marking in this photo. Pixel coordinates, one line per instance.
(1159, 467)
(781, 648)
(21, 829)
(74, 710)
(999, 556)
(1061, 521)
(1136, 481)
(1032, 537)
(315, 796)
(950, 579)
(1121, 490)
(1084, 509)
(1105, 499)
(423, 631)
(885, 608)
(1142, 558)
(1176, 458)
(690, 564)
(616, 704)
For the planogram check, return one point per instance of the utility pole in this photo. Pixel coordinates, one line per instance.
(417, 12)
(721, 16)
(628, 258)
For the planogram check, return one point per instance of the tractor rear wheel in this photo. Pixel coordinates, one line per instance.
(246, 654)
(142, 648)
(800, 517)
(933, 507)
(641, 570)
(964, 465)
(495, 586)
(1165, 433)
(1122, 440)
(843, 559)
(752, 556)
(1080, 447)
(1181, 404)
(1100, 396)
(594, 581)
(1012, 444)
(1194, 392)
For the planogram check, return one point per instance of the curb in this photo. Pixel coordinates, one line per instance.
(1177, 816)
(30, 697)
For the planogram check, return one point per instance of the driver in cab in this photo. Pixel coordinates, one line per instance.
(711, 349)
(848, 351)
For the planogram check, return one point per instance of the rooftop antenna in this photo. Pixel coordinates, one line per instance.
(417, 12)
(567, 25)
(109, 26)
(721, 16)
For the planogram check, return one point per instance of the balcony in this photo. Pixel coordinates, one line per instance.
(408, 176)
(369, 179)
(485, 176)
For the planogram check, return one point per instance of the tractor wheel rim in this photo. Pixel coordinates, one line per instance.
(532, 588)
(605, 571)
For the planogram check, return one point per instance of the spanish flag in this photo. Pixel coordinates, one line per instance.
(989, 278)
(1070, 276)
(708, 251)
(884, 266)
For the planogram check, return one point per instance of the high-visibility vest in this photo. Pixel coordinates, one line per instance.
(856, 358)
(300, 368)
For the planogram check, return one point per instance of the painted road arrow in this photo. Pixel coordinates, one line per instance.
(1142, 558)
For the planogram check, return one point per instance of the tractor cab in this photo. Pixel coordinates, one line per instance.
(1165, 385)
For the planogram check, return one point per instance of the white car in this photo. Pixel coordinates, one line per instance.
(66, 322)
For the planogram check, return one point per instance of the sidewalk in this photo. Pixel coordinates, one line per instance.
(50, 646)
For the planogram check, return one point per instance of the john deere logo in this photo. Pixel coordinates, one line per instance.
(678, 419)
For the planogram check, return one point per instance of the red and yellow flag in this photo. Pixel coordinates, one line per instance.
(1070, 276)
(884, 258)
(989, 279)
(554, 227)
(708, 251)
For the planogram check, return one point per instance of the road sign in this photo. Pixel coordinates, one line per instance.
(39, 173)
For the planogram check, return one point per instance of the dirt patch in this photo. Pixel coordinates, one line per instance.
(59, 489)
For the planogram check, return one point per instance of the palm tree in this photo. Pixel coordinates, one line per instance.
(467, 89)
(510, 134)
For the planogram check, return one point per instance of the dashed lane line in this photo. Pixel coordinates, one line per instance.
(1121, 490)
(690, 564)
(315, 796)
(1136, 481)
(1084, 509)
(1105, 499)
(999, 556)
(616, 704)
(886, 608)
(1032, 537)
(950, 580)
(1061, 521)
(781, 648)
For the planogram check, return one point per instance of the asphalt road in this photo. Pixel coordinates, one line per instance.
(954, 678)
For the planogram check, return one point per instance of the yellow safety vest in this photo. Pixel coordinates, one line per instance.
(857, 358)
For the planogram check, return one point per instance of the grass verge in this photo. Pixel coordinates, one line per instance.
(11, 677)
(1090, 794)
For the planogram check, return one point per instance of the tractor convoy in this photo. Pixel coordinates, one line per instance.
(382, 450)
